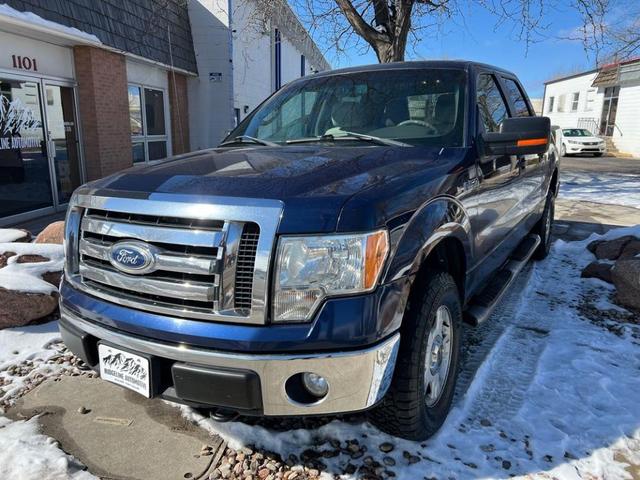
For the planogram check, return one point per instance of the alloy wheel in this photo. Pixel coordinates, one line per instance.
(438, 356)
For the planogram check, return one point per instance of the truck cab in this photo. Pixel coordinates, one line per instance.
(324, 257)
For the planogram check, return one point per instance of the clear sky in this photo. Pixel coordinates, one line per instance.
(476, 37)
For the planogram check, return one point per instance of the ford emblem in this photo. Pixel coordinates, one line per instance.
(132, 257)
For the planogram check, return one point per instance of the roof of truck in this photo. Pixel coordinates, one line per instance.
(419, 64)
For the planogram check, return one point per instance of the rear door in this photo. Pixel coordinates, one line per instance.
(497, 197)
(530, 166)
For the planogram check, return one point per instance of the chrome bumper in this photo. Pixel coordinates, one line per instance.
(357, 379)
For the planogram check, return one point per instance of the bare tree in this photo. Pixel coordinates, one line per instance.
(390, 27)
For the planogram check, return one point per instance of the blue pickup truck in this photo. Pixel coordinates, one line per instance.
(324, 258)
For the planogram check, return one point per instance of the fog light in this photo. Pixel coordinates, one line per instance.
(315, 384)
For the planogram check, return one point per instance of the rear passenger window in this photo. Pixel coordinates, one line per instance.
(516, 97)
(491, 105)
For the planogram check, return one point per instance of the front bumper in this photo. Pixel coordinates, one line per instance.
(580, 148)
(249, 383)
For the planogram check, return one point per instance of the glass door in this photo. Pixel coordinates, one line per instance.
(609, 110)
(63, 140)
(25, 176)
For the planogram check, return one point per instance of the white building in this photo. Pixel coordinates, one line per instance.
(605, 101)
(241, 61)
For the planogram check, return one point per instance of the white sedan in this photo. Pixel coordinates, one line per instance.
(581, 140)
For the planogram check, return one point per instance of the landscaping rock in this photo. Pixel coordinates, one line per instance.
(626, 277)
(599, 270)
(4, 257)
(31, 259)
(610, 249)
(631, 249)
(19, 308)
(53, 233)
(54, 278)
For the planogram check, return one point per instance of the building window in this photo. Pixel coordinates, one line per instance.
(590, 99)
(303, 65)
(148, 125)
(551, 100)
(278, 58)
(574, 101)
(561, 102)
(236, 115)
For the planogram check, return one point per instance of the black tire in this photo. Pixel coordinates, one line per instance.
(404, 412)
(563, 150)
(599, 154)
(544, 228)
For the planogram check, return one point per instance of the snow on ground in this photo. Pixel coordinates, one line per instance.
(26, 277)
(612, 189)
(27, 356)
(546, 390)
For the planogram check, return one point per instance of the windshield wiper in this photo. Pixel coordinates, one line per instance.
(248, 139)
(350, 136)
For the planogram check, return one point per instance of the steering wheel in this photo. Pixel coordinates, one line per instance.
(422, 123)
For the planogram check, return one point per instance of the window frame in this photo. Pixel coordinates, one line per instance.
(551, 104)
(145, 138)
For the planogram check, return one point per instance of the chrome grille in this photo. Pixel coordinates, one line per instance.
(196, 261)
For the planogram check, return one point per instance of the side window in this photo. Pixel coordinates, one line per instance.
(517, 98)
(491, 105)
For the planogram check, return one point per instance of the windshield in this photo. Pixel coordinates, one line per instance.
(416, 107)
(577, 132)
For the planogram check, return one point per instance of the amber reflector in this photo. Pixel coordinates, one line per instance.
(377, 248)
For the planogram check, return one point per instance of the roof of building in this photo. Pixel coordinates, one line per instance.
(140, 27)
(604, 72)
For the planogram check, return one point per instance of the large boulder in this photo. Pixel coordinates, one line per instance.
(599, 270)
(631, 249)
(626, 277)
(53, 233)
(19, 308)
(610, 249)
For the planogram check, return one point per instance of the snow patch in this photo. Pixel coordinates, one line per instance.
(27, 454)
(26, 277)
(34, 19)
(612, 189)
(10, 235)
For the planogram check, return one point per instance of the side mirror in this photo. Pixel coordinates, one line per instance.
(519, 136)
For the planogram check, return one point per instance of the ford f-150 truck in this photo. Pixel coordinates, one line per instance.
(324, 257)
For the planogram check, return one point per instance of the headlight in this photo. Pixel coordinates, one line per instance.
(311, 268)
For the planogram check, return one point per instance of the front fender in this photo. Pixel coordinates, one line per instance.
(435, 220)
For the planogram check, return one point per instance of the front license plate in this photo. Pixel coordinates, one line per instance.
(124, 368)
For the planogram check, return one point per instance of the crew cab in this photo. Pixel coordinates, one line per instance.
(324, 257)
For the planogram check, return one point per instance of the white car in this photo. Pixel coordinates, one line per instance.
(581, 140)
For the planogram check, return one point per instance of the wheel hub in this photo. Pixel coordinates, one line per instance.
(438, 356)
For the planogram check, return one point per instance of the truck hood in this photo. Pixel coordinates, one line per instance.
(313, 182)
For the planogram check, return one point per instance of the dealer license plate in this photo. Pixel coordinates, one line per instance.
(124, 368)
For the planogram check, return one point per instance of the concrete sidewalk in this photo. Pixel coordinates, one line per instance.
(119, 434)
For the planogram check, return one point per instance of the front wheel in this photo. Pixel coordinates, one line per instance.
(563, 150)
(599, 154)
(420, 395)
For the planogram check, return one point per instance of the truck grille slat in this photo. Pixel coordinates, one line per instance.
(244, 267)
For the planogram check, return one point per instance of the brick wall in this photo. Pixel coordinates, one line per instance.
(179, 111)
(104, 110)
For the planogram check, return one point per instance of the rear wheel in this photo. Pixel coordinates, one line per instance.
(544, 227)
(423, 385)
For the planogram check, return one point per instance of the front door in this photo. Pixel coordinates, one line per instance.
(39, 148)
(609, 110)
(25, 176)
(63, 141)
